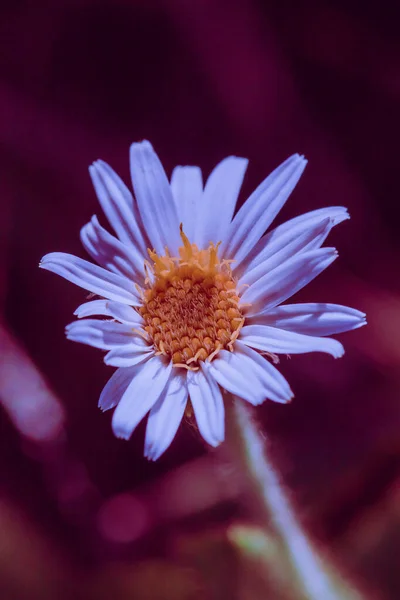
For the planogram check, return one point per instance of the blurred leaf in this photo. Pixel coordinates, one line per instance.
(146, 580)
(29, 566)
(238, 563)
(371, 545)
(215, 560)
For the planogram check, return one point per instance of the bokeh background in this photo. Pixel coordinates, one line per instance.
(82, 514)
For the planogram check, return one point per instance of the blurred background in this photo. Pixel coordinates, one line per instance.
(82, 514)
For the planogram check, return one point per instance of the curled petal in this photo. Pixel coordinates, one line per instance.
(261, 208)
(247, 374)
(119, 206)
(94, 307)
(271, 243)
(91, 277)
(105, 335)
(284, 281)
(129, 355)
(289, 246)
(110, 253)
(279, 341)
(140, 396)
(313, 318)
(166, 416)
(116, 386)
(208, 406)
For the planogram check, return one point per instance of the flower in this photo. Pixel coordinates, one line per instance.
(191, 295)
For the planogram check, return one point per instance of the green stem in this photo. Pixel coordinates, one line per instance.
(312, 576)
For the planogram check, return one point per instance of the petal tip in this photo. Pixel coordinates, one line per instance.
(151, 455)
(108, 360)
(69, 332)
(339, 353)
(120, 434)
(289, 398)
(300, 159)
(140, 146)
(99, 164)
(214, 443)
(339, 218)
(45, 259)
(94, 168)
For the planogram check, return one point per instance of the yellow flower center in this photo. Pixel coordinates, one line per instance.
(191, 306)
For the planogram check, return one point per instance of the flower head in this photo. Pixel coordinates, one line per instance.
(190, 296)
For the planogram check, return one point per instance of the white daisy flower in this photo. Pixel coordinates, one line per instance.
(202, 311)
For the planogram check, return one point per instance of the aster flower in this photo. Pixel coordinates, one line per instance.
(191, 296)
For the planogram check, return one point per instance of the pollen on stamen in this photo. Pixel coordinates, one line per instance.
(191, 308)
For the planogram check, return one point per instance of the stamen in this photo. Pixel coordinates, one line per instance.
(242, 286)
(185, 366)
(142, 333)
(244, 304)
(214, 354)
(158, 263)
(271, 355)
(191, 304)
(187, 245)
(148, 269)
(213, 256)
(140, 292)
(235, 335)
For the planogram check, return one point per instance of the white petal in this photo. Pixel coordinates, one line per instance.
(314, 318)
(129, 355)
(206, 398)
(94, 307)
(284, 281)
(245, 373)
(91, 277)
(108, 308)
(116, 386)
(279, 341)
(166, 416)
(187, 189)
(273, 241)
(119, 206)
(124, 313)
(154, 198)
(288, 246)
(261, 208)
(102, 334)
(140, 396)
(219, 200)
(110, 253)
(337, 214)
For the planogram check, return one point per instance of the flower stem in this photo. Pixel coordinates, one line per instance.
(313, 578)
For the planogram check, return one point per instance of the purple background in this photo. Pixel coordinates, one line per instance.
(81, 80)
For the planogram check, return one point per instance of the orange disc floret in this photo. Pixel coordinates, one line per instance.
(191, 308)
